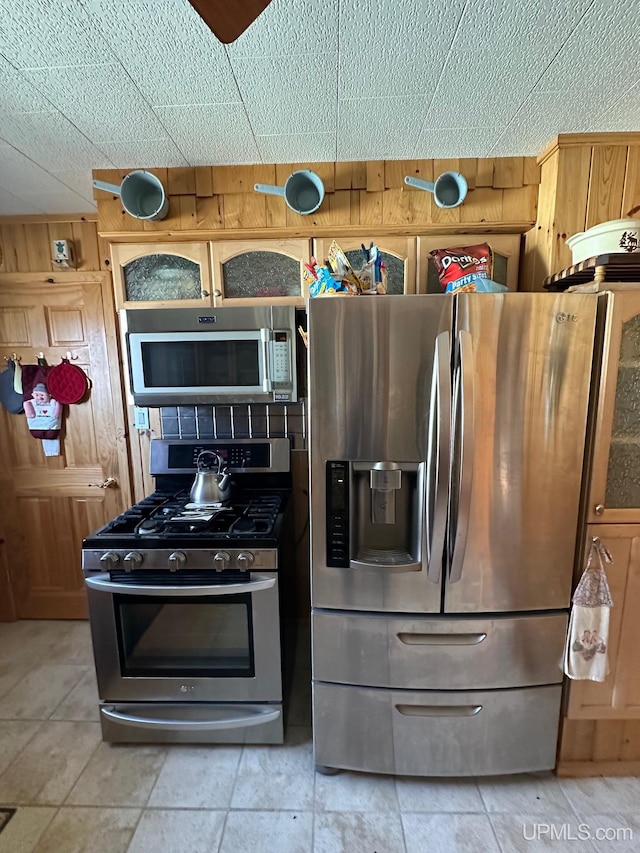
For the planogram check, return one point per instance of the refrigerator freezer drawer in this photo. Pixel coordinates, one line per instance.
(436, 733)
(437, 654)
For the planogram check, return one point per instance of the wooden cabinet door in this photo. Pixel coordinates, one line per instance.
(506, 257)
(398, 253)
(614, 494)
(161, 275)
(48, 504)
(618, 696)
(259, 272)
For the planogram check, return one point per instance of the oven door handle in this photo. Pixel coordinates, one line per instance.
(244, 719)
(102, 583)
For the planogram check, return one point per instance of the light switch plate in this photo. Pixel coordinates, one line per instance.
(141, 417)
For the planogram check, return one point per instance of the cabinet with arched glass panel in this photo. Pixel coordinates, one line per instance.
(259, 271)
(161, 275)
(398, 254)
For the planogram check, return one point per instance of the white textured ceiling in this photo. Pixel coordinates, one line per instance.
(88, 84)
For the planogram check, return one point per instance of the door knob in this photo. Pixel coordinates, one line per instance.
(109, 483)
(599, 509)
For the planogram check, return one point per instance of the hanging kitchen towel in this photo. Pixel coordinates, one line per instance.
(11, 401)
(43, 412)
(586, 649)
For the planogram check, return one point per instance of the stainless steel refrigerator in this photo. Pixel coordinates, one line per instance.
(446, 446)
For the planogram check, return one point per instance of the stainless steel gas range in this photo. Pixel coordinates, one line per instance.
(185, 603)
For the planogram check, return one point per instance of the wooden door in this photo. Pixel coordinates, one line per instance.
(48, 504)
(618, 696)
(614, 494)
(398, 253)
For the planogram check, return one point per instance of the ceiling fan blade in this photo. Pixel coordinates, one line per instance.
(228, 19)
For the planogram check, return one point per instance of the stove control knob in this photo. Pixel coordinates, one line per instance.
(132, 560)
(245, 560)
(110, 558)
(177, 560)
(221, 561)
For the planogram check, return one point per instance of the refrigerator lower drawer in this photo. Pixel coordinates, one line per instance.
(438, 654)
(436, 733)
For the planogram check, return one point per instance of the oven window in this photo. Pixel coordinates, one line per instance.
(200, 364)
(185, 636)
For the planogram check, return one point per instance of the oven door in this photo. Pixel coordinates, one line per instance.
(213, 642)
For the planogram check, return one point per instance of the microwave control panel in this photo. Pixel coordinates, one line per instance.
(280, 359)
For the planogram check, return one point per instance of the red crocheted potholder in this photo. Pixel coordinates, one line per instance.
(67, 383)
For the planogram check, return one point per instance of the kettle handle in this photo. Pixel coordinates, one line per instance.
(217, 457)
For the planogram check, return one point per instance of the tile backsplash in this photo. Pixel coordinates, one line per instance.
(241, 421)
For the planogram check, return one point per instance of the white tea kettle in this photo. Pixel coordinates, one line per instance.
(211, 485)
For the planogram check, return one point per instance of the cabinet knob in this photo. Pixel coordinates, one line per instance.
(204, 294)
(599, 509)
(217, 293)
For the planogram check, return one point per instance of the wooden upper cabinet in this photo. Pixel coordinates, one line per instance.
(398, 253)
(160, 275)
(614, 494)
(506, 257)
(259, 272)
(618, 696)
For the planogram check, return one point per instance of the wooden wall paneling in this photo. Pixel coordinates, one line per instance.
(327, 173)
(606, 183)
(181, 181)
(358, 175)
(264, 173)
(204, 181)
(630, 747)
(370, 207)
(508, 172)
(375, 176)
(531, 171)
(631, 192)
(111, 176)
(339, 207)
(210, 212)
(540, 239)
(576, 740)
(2, 251)
(407, 206)
(188, 217)
(484, 172)
(354, 203)
(468, 168)
(283, 170)
(481, 205)
(233, 179)
(112, 216)
(520, 204)
(38, 249)
(17, 255)
(571, 199)
(276, 212)
(342, 176)
(85, 244)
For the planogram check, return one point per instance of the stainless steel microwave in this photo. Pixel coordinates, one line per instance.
(186, 356)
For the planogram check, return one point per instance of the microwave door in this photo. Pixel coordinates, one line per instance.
(182, 366)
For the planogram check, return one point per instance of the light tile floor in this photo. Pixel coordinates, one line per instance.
(74, 793)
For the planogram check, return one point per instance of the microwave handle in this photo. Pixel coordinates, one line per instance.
(265, 337)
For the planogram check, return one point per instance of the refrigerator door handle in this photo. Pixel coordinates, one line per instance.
(440, 444)
(467, 447)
